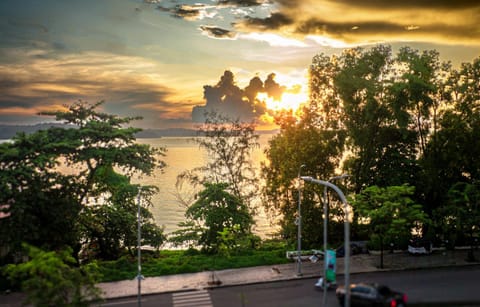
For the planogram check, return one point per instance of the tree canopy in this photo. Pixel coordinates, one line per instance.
(228, 181)
(390, 213)
(71, 185)
(384, 118)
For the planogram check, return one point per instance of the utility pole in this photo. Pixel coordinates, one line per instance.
(139, 252)
(299, 223)
(325, 235)
(347, 233)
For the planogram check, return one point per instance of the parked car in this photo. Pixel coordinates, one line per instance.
(371, 294)
(419, 246)
(356, 247)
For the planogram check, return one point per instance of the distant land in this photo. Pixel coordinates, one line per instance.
(9, 131)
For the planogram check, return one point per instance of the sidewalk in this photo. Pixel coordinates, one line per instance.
(358, 264)
(203, 280)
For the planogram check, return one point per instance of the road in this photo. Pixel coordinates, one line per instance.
(460, 285)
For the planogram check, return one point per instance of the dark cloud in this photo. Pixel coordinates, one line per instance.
(244, 3)
(351, 21)
(273, 22)
(430, 4)
(254, 87)
(272, 88)
(322, 27)
(183, 11)
(354, 31)
(217, 32)
(228, 99)
(363, 21)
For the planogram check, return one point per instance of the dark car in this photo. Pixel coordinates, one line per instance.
(356, 247)
(371, 294)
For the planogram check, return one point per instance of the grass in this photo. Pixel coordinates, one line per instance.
(168, 262)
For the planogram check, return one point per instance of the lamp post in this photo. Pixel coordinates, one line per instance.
(347, 233)
(139, 253)
(299, 223)
(325, 232)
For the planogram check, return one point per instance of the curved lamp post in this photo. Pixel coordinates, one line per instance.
(325, 235)
(139, 251)
(347, 233)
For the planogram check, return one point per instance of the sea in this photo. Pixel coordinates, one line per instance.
(183, 154)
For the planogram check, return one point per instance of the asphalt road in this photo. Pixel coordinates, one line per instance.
(456, 286)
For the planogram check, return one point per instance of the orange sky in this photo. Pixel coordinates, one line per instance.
(153, 58)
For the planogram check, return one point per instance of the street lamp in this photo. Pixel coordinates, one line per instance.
(299, 223)
(139, 251)
(347, 234)
(325, 231)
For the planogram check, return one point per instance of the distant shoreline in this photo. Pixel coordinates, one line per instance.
(9, 131)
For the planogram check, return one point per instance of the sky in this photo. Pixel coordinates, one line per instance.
(170, 60)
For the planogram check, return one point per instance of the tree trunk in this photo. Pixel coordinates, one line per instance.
(381, 252)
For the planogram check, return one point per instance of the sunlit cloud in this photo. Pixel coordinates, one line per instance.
(273, 40)
(141, 61)
(341, 24)
(39, 83)
(326, 41)
(412, 28)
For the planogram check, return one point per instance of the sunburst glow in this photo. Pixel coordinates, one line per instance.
(289, 101)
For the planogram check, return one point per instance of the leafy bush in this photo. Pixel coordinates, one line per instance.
(50, 279)
(190, 261)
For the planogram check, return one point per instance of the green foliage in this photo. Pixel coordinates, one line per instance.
(51, 279)
(386, 119)
(233, 240)
(71, 186)
(188, 234)
(228, 143)
(382, 145)
(390, 212)
(461, 215)
(216, 209)
(167, 262)
(451, 155)
(299, 143)
(229, 185)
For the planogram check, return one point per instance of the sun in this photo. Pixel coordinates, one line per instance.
(288, 101)
(293, 96)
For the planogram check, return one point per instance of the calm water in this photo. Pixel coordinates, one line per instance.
(183, 154)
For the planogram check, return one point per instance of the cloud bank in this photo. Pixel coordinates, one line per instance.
(227, 98)
(349, 21)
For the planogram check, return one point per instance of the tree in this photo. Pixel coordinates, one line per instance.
(414, 91)
(390, 213)
(451, 154)
(299, 143)
(461, 215)
(383, 149)
(228, 144)
(51, 279)
(216, 210)
(68, 186)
